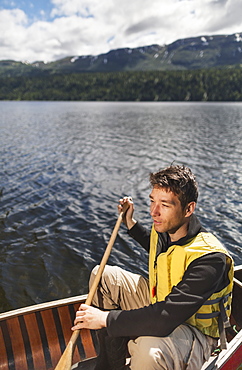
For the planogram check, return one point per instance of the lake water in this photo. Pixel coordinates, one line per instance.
(64, 166)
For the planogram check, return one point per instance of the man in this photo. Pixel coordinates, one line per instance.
(173, 321)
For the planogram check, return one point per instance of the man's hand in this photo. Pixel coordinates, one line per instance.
(88, 317)
(128, 219)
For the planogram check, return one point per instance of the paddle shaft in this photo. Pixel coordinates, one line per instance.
(65, 361)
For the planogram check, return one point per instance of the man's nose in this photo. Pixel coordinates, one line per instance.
(155, 210)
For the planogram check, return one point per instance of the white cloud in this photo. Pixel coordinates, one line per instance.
(12, 28)
(96, 26)
(75, 7)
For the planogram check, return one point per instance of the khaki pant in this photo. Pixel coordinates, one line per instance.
(185, 348)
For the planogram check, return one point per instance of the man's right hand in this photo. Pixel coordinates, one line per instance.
(128, 219)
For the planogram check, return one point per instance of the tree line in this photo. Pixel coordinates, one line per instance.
(196, 85)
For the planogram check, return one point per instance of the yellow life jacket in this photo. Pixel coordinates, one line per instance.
(167, 269)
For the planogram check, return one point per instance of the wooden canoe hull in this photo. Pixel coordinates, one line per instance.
(34, 338)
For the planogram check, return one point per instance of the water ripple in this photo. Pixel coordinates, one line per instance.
(65, 165)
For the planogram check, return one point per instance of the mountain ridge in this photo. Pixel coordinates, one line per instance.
(203, 52)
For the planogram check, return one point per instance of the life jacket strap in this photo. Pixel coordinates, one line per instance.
(223, 320)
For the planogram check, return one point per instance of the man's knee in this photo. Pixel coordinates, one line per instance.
(144, 355)
(108, 270)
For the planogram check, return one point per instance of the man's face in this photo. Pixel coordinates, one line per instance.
(166, 211)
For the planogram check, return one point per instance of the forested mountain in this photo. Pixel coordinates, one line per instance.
(197, 85)
(186, 54)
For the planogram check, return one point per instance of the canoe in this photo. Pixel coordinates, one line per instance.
(34, 337)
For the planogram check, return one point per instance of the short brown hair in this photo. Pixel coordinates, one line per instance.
(178, 179)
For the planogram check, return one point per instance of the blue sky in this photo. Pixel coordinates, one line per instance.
(33, 9)
(48, 30)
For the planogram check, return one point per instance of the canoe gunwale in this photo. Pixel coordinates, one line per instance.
(42, 306)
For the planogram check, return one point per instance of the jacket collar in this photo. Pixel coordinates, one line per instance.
(194, 228)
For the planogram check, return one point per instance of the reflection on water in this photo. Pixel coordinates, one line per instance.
(64, 165)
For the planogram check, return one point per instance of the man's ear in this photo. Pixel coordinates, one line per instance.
(190, 208)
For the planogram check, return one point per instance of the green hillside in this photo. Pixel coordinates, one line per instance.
(196, 85)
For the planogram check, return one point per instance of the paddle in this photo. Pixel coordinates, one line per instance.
(65, 361)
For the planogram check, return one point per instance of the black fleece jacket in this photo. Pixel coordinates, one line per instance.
(204, 276)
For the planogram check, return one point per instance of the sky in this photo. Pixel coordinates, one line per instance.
(48, 30)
